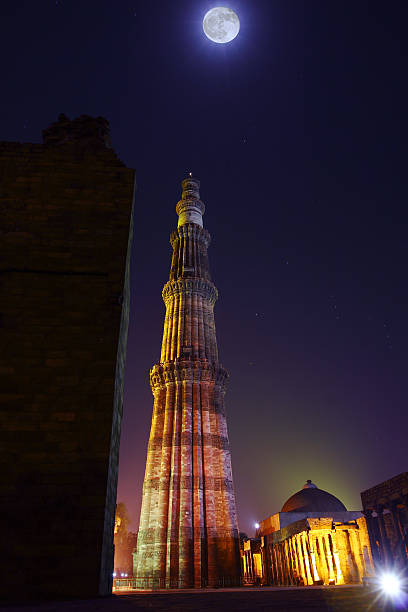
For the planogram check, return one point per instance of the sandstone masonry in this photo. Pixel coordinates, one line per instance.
(188, 534)
(66, 233)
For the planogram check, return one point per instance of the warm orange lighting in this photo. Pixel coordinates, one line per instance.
(320, 551)
(118, 521)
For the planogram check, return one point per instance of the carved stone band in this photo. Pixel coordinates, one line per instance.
(189, 202)
(190, 230)
(189, 439)
(152, 536)
(214, 407)
(190, 286)
(189, 482)
(171, 372)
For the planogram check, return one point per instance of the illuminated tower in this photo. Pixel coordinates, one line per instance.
(188, 534)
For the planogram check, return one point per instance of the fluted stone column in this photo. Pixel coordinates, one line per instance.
(188, 533)
(330, 559)
(301, 558)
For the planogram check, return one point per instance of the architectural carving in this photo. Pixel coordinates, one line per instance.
(386, 510)
(313, 540)
(194, 286)
(170, 372)
(188, 535)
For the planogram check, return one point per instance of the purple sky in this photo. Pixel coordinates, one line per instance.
(298, 131)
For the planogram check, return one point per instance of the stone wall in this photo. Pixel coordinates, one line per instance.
(66, 235)
(394, 489)
(283, 519)
(386, 508)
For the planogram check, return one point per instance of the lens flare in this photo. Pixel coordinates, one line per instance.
(391, 585)
(392, 588)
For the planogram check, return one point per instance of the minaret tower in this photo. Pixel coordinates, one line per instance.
(188, 534)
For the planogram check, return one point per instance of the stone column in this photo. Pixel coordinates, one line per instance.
(357, 552)
(286, 564)
(272, 564)
(278, 566)
(330, 561)
(399, 531)
(280, 563)
(295, 559)
(306, 559)
(315, 573)
(324, 567)
(336, 558)
(290, 561)
(301, 558)
(372, 534)
(385, 546)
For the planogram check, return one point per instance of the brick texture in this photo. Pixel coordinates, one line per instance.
(66, 233)
(386, 508)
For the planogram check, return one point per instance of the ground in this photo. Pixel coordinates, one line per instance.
(331, 599)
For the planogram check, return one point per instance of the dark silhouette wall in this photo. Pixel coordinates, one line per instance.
(386, 509)
(66, 235)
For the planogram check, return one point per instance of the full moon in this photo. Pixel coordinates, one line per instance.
(221, 24)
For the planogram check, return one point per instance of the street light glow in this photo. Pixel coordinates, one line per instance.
(390, 584)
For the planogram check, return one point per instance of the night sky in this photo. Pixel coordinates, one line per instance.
(297, 130)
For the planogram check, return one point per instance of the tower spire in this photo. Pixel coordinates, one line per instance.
(188, 534)
(190, 208)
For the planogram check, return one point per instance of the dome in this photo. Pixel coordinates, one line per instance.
(312, 499)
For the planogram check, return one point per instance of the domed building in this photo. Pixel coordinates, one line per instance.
(314, 539)
(312, 499)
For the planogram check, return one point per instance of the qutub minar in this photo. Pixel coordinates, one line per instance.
(188, 533)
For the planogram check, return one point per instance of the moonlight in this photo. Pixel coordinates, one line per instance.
(221, 24)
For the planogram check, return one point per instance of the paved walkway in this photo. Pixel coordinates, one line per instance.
(328, 599)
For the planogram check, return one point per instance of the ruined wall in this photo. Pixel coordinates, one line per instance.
(386, 508)
(66, 232)
(317, 551)
(283, 519)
